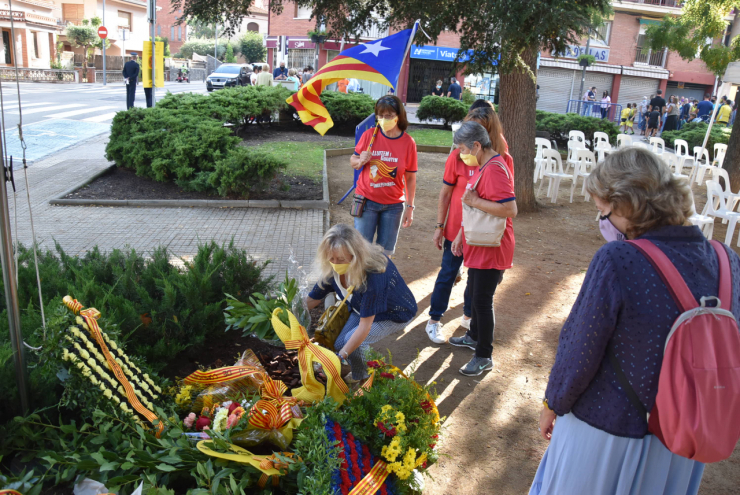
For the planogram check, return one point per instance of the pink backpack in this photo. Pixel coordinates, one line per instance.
(697, 408)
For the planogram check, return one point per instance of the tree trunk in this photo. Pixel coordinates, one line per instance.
(517, 100)
(732, 158)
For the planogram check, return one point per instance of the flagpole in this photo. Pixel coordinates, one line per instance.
(406, 54)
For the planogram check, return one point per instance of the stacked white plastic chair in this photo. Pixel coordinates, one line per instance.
(573, 146)
(701, 165)
(720, 150)
(658, 145)
(674, 163)
(553, 171)
(601, 144)
(541, 144)
(577, 136)
(585, 162)
(722, 178)
(703, 221)
(623, 140)
(681, 148)
(717, 208)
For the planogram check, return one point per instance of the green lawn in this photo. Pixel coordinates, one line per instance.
(305, 159)
(432, 137)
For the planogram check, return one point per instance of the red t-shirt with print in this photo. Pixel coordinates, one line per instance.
(382, 178)
(495, 185)
(457, 175)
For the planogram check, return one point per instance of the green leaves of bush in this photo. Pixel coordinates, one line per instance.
(446, 109)
(347, 110)
(693, 134)
(559, 125)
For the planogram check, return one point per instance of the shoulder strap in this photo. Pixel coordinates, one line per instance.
(500, 164)
(673, 280)
(725, 275)
(624, 381)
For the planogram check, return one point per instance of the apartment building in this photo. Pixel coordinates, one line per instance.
(623, 66)
(36, 27)
(167, 26)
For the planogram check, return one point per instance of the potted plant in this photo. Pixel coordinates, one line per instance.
(318, 36)
(586, 60)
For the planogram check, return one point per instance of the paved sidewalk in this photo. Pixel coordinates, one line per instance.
(263, 233)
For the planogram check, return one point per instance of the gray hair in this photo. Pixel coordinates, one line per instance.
(471, 132)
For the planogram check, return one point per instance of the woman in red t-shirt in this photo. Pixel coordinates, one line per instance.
(388, 175)
(455, 180)
(495, 196)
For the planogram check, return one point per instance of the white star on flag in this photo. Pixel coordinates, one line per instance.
(375, 48)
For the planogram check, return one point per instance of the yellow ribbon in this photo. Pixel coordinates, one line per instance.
(296, 337)
(269, 465)
(221, 375)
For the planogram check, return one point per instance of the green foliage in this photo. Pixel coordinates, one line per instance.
(446, 109)
(588, 57)
(252, 47)
(244, 169)
(693, 134)
(255, 317)
(207, 47)
(347, 110)
(559, 125)
(166, 42)
(229, 58)
(85, 36)
(467, 97)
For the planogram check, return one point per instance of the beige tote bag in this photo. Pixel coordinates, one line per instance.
(481, 228)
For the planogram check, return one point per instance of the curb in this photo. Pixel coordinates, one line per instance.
(316, 204)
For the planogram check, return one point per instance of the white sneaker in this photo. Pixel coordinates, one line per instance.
(433, 330)
(465, 323)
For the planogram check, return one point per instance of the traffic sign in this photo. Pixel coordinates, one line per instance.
(102, 32)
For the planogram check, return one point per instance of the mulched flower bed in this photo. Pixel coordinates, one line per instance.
(122, 184)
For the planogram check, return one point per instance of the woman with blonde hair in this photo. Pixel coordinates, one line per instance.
(623, 314)
(380, 304)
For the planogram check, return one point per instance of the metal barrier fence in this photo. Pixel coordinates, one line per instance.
(597, 109)
(39, 75)
(111, 76)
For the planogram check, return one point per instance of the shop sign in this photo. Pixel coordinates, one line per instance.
(17, 16)
(573, 51)
(441, 53)
(301, 44)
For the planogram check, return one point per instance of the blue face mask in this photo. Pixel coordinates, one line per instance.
(608, 230)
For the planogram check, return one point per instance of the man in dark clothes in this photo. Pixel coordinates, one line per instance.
(657, 103)
(454, 90)
(131, 76)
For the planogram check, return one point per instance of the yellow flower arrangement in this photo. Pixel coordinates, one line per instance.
(184, 396)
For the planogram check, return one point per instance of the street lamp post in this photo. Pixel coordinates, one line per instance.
(153, 20)
(104, 79)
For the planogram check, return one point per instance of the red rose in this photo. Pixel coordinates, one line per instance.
(233, 406)
(390, 376)
(435, 436)
(427, 406)
(202, 423)
(432, 445)
(373, 364)
(424, 465)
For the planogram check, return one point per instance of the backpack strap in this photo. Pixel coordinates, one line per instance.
(673, 280)
(725, 275)
(626, 386)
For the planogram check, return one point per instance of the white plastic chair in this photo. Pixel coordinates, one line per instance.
(601, 141)
(623, 140)
(701, 165)
(585, 161)
(681, 148)
(704, 222)
(658, 145)
(674, 163)
(553, 170)
(541, 144)
(573, 146)
(455, 127)
(577, 136)
(720, 150)
(732, 199)
(717, 208)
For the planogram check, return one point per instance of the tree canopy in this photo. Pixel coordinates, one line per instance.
(252, 47)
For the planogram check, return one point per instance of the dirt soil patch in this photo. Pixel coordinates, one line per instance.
(121, 183)
(295, 132)
(491, 443)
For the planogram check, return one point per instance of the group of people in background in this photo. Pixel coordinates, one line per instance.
(453, 90)
(657, 115)
(594, 108)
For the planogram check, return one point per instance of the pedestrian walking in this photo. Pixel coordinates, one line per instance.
(642, 122)
(606, 102)
(131, 77)
(454, 90)
(589, 97)
(380, 304)
(653, 124)
(490, 190)
(599, 440)
(631, 121)
(624, 118)
(386, 187)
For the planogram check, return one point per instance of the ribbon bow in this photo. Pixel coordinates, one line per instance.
(296, 337)
(266, 416)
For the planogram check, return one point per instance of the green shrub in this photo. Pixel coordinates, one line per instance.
(243, 170)
(347, 110)
(468, 97)
(559, 125)
(252, 47)
(693, 134)
(153, 307)
(207, 47)
(446, 109)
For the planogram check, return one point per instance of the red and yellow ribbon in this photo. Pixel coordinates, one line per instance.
(372, 482)
(221, 375)
(296, 337)
(91, 316)
(266, 416)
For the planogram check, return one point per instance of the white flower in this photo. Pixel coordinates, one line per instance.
(92, 362)
(112, 344)
(94, 380)
(120, 352)
(146, 377)
(79, 320)
(86, 372)
(108, 394)
(121, 391)
(221, 419)
(116, 400)
(83, 353)
(98, 370)
(65, 353)
(159, 390)
(101, 387)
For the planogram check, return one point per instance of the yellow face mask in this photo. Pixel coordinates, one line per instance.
(387, 124)
(340, 268)
(469, 159)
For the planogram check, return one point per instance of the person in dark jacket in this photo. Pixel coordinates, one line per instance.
(131, 77)
(599, 442)
(381, 303)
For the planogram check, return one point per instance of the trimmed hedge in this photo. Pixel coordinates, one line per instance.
(446, 109)
(347, 110)
(693, 134)
(559, 125)
(189, 148)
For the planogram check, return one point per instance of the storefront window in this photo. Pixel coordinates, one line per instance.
(7, 48)
(300, 58)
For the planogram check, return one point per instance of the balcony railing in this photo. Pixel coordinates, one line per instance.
(658, 3)
(649, 57)
(374, 32)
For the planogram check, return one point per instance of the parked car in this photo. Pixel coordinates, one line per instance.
(228, 76)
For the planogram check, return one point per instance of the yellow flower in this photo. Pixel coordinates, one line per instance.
(79, 320)
(108, 394)
(86, 372)
(400, 417)
(91, 362)
(121, 391)
(422, 458)
(386, 408)
(112, 344)
(94, 380)
(401, 427)
(116, 400)
(124, 407)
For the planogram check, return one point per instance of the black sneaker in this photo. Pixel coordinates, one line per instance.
(476, 366)
(464, 341)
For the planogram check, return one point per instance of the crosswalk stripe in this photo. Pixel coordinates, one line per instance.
(64, 115)
(39, 110)
(101, 118)
(24, 105)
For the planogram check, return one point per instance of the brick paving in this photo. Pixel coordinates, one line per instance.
(263, 233)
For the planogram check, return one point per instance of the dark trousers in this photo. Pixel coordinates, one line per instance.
(148, 95)
(482, 285)
(130, 93)
(443, 286)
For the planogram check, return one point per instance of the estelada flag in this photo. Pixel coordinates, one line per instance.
(378, 61)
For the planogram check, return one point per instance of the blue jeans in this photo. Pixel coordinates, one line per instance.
(385, 220)
(443, 286)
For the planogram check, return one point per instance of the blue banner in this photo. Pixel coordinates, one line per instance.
(441, 53)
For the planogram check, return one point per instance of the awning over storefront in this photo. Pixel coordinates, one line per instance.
(645, 72)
